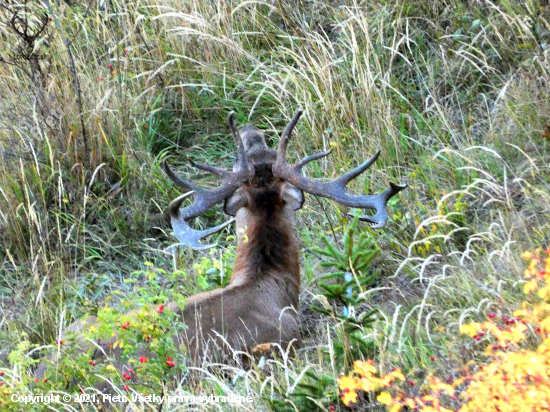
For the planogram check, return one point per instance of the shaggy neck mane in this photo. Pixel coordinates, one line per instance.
(268, 248)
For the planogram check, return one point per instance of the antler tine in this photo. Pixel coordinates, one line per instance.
(241, 164)
(336, 189)
(182, 183)
(184, 232)
(14, 18)
(204, 198)
(210, 169)
(298, 166)
(352, 174)
(45, 20)
(381, 217)
(285, 137)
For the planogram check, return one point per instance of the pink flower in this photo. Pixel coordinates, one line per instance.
(492, 315)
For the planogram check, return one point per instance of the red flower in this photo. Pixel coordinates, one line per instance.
(161, 307)
(126, 376)
(331, 408)
(411, 383)
(142, 359)
(432, 358)
(92, 362)
(146, 126)
(112, 73)
(170, 362)
(46, 380)
(126, 388)
(1, 373)
(110, 66)
(59, 342)
(125, 326)
(37, 380)
(492, 315)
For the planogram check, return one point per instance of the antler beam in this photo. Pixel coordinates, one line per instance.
(204, 199)
(336, 189)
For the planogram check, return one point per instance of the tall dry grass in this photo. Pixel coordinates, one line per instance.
(454, 94)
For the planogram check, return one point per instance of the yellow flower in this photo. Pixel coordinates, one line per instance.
(349, 396)
(348, 384)
(470, 329)
(364, 368)
(384, 398)
(530, 286)
(544, 292)
(517, 332)
(527, 255)
(396, 408)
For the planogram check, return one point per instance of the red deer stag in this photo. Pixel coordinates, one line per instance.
(263, 191)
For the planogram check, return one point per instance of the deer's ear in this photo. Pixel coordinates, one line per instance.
(293, 196)
(234, 202)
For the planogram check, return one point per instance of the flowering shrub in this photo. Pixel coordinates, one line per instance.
(142, 339)
(516, 380)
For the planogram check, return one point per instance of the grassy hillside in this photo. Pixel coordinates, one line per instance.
(455, 94)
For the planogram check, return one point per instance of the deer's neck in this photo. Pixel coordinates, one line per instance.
(267, 248)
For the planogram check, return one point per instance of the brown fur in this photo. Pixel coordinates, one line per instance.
(259, 305)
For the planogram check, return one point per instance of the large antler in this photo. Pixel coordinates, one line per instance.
(22, 27)
(204, 199)
(336, 189)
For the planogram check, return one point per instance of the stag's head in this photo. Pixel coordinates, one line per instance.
(262, 182)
